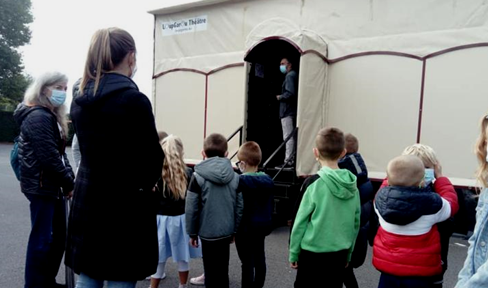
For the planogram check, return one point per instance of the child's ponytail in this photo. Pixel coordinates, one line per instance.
(174, 172)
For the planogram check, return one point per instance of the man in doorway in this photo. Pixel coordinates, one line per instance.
(288, 110)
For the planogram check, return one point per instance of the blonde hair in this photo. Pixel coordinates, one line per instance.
(107, 49)
(35, 96)
(405, 171)
(480, 151)
(352, 143)
(174, 168)
(424, 152)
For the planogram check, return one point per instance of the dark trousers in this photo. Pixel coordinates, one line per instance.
(391, 281)
(321, 269)
(216, 262)
(250, 248)
(349, 277)
(46, 241)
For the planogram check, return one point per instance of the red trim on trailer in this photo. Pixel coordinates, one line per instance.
(369, 53)
(318, 54)
(199, 71)
(205, 112)
(421, 105)
(327, 60)
(456, 48)
(274, 38)
(225, 67)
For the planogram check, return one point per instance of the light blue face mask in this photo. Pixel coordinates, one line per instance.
(58, 97)
(283, 69)
(429, 176)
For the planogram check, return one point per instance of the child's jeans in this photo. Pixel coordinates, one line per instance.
(315, 269)
(86, 282)
(391, 281)
(216, 262)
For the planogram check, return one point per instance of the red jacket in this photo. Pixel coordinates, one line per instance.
(408, 242)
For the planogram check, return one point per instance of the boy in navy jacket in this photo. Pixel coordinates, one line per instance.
(256, 223)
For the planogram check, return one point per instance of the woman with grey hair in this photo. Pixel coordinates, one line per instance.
(46, 177)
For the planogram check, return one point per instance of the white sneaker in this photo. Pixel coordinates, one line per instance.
(200, 280)
(149, 277)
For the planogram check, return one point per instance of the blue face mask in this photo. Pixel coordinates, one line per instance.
(283, 69)
(58, 97)
(429, 176)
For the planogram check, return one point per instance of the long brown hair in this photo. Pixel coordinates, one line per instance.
(107, 49)
(480, 151)
(174, 168)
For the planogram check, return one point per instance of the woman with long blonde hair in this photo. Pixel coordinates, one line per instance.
(112, 232)
(171, 193)
(475, 270)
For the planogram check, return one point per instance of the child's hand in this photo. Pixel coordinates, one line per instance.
(194, 242)
(294, 265)
(347, 265)
(233, 239)
(438, 170)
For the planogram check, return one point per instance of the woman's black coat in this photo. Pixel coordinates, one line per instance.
(112, 232)
(41, 153)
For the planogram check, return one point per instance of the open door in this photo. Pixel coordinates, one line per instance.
(265, 80)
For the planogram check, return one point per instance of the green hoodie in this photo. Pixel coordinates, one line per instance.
(329, 214)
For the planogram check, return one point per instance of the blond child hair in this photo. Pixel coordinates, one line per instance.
(424, 152)
(174, 168)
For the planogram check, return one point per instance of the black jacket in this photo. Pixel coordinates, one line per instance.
(112, 232)
(167, 205)
(41, 153)
(288, 98)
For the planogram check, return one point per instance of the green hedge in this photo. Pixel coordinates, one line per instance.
(9, 129)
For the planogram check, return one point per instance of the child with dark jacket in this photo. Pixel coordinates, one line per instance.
(257, 191)
(214, 209)
(407, 247)
(328, 218)
(353, 161)
(429, 158)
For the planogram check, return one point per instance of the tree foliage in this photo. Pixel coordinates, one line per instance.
(15, 16)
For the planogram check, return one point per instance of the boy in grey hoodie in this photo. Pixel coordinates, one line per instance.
(214, 209)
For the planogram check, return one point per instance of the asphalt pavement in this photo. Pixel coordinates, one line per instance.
(15, 228)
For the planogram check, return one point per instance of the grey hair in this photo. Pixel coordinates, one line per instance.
(35, 96)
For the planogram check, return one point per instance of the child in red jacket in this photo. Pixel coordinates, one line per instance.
(407, 248)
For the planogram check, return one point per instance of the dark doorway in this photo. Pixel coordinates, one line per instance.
(264, 83)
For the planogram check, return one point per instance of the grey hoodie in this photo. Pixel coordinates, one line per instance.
(213, 206)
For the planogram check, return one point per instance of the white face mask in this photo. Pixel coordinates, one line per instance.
(134, 72)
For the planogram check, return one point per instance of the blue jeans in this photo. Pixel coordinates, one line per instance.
(85, 281)
(46, 240)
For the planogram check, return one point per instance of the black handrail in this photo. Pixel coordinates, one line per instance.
(239, 130)
(279, 148)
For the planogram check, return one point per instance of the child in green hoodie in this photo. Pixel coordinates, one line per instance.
(327, 221)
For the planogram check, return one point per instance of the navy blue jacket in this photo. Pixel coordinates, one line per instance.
(257, 191)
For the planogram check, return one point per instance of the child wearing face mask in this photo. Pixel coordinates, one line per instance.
(407, 247)
(446, 228)
(256, 223)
